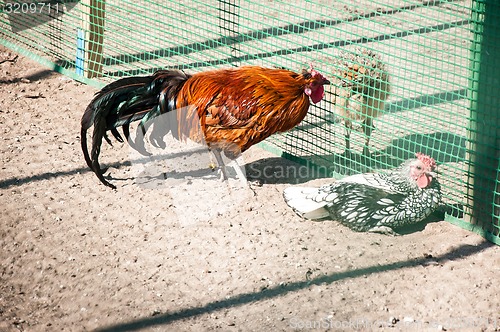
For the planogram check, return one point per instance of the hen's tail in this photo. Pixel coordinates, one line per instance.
(122, 102)
(303, 200)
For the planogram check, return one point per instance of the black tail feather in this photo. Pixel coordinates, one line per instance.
(116, 135)
(83, 141)
(122, 102)
(99, 133)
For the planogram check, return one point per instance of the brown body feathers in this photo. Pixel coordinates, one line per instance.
(228, 109)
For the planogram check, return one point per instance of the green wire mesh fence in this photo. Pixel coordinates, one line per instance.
(422, 76)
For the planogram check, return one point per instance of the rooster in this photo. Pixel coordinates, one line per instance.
(375, 202)
(361, 93)
(228, 109)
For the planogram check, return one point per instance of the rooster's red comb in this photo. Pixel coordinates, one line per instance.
(428, 161)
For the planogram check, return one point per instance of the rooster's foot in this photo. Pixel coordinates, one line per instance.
(255, 183)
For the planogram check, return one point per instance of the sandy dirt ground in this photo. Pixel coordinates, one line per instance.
(191, 254)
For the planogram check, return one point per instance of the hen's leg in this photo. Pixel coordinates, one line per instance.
(383, 230)
(367, 129)
(348, 129)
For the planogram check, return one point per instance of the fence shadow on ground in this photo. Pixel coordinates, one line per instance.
(296, 28)
(275, 31)
(37, 76)
(402, 105)
(163, 320)
(443, 147)
(425, 100)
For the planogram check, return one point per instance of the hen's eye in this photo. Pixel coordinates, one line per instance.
(418, 167)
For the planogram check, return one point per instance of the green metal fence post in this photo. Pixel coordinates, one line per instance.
(93, 17)
(484, 129)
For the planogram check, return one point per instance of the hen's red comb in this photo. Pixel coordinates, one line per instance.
(428, 161)
(314, 72)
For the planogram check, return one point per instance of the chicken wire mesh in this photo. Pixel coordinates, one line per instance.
(422, 71)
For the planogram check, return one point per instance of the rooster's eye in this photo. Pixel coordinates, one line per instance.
(418, 167)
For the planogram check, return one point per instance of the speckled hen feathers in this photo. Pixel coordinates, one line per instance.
(362, 207)
(367, 202)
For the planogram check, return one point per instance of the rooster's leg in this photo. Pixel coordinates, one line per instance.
(240, 172)
(222, 166)
(239, 169)
(237, 166)
(367, 129)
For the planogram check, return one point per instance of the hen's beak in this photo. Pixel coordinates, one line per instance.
(344, 83)
(434, 174)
